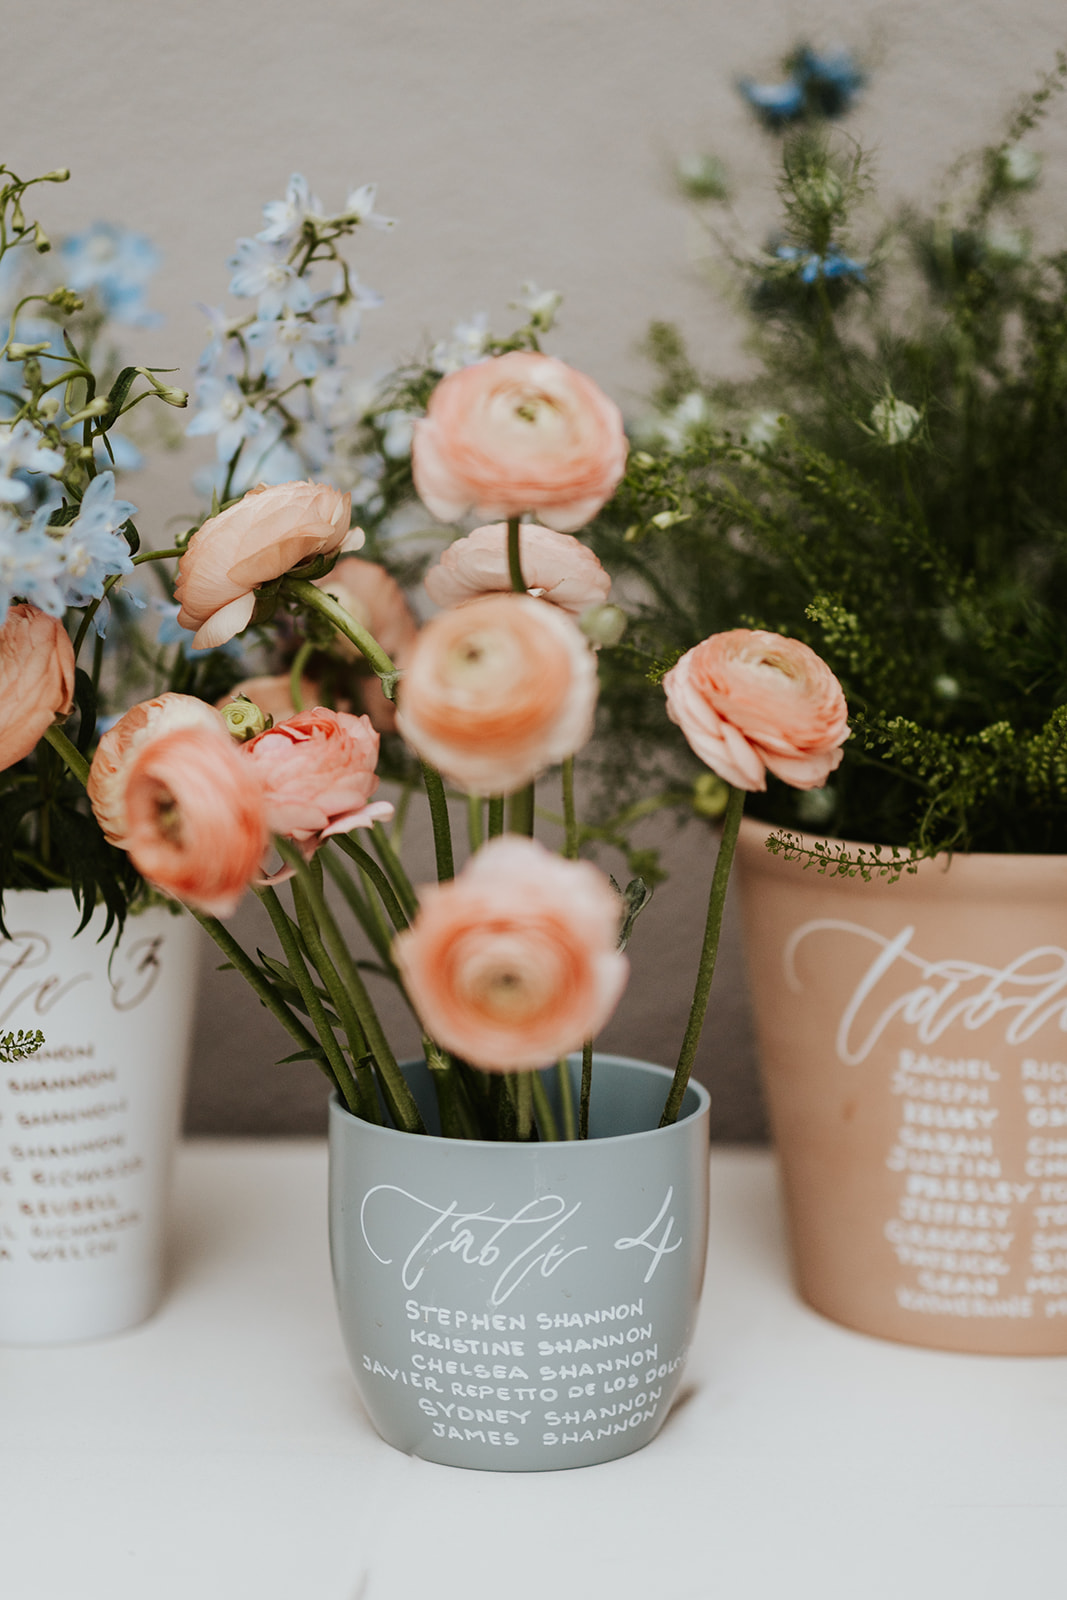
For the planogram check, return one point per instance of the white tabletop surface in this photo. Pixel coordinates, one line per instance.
(220, 1451)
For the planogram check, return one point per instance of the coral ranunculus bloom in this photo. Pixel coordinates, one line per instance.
(116, 751)
(36, 679)
(555, 567)
(751, 702)
(196, 822)
(316, 773)
(263, 536)
(519, 432)
(515, 962)
(497, 691)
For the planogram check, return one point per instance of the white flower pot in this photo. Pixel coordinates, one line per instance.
(88, 1124)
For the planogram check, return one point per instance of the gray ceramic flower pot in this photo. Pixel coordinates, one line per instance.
(522, 1307)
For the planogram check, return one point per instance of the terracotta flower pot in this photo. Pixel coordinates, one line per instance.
(915, 1064)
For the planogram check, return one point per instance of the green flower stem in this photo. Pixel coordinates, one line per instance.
(496, 816)
(68, 752)
(521, 811)
(518, 582)
(296, 673)
(442, 828)
(265, 990)
(706, 970)
(502, 1108)
(327, 606)
(570, 815)
(456, 1120)
(546, 1122)
(475, 835)
(366, 1101)
(367, 911)
(390, 860)
(373, 871)
(587, 1089)
(398, 1095)
(566, 1098)
(338, 1071)
(522, 1089)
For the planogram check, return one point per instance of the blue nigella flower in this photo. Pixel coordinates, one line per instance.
(775, 103)
(816, 85)
(834, 264)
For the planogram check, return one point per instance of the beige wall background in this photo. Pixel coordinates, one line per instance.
(512, 142)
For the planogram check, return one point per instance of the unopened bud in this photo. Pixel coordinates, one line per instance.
(710, 796)
(41, 242)
(823, 191)
(19, 352)
(603, 624)
(244, 720)
(58, 175)
(172, 397)
(702, 177)
(1018, 168)
(96, 408)
(48, 407)
(816, 806)
(893, 420)
(668, 519)
(65, 299)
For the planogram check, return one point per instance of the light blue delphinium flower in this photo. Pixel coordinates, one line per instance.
(308, 345)
(222, 353)
(285, 218)
(91, 548)
(261, 269)
(171, 632)
(347, 318)
(834, 264)
(359, 207)
(464, 346)
(22, 449)
(225, 411)
(30, 567)
(117, 263)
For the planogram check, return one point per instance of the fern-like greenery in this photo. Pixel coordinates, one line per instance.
(892, 489)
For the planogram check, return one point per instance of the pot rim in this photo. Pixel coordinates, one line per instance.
(973, 868)
(702, 1109)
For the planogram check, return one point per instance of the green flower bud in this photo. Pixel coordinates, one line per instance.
(41, 242)
(244, 720)
(66, 300)
(816, 806)
(19, 352)
(48, 407)
(603, 624)
(1018, 168)
(702, 177)
(710, 796)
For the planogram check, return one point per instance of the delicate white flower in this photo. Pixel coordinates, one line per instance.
(359, 207)
(542, 304)
(91, 547)
(224, 410)
(222, 350)
(688, 417)
(261, 269)
(22, 448)
(398, 427)
(465, 346)
(306, 344)
(344, 307)
(285, 218)
(762, 431)
(893, 420)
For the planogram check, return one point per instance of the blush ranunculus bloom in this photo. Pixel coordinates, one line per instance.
(263, 536)
(519, 432)
(374, 598)
(496, 691)
(110, 769)
(316, 774)
(750, 702)
(555, 567)
(515, 962)
(196, 822)
(36, 679)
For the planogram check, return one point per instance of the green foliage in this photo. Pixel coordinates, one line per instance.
(891, 488)
(19, 1045)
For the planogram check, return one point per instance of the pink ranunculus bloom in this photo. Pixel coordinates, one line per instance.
(265, 535)
(497, 691)
(196, 822)
(316, 774)
(519, 432)
(148, 720)
(555, 567)
(515, 962)
(374, 598)
(750, 702)
(36, 679)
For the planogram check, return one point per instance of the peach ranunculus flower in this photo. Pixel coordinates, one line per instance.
(556, 567)
(116, 751)
(750, 702)
(196, 822)
(496, 691)
(36, 679)
(266, 534)
(374, 598)
(519, 432)
(514, 962)
(316, 774)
